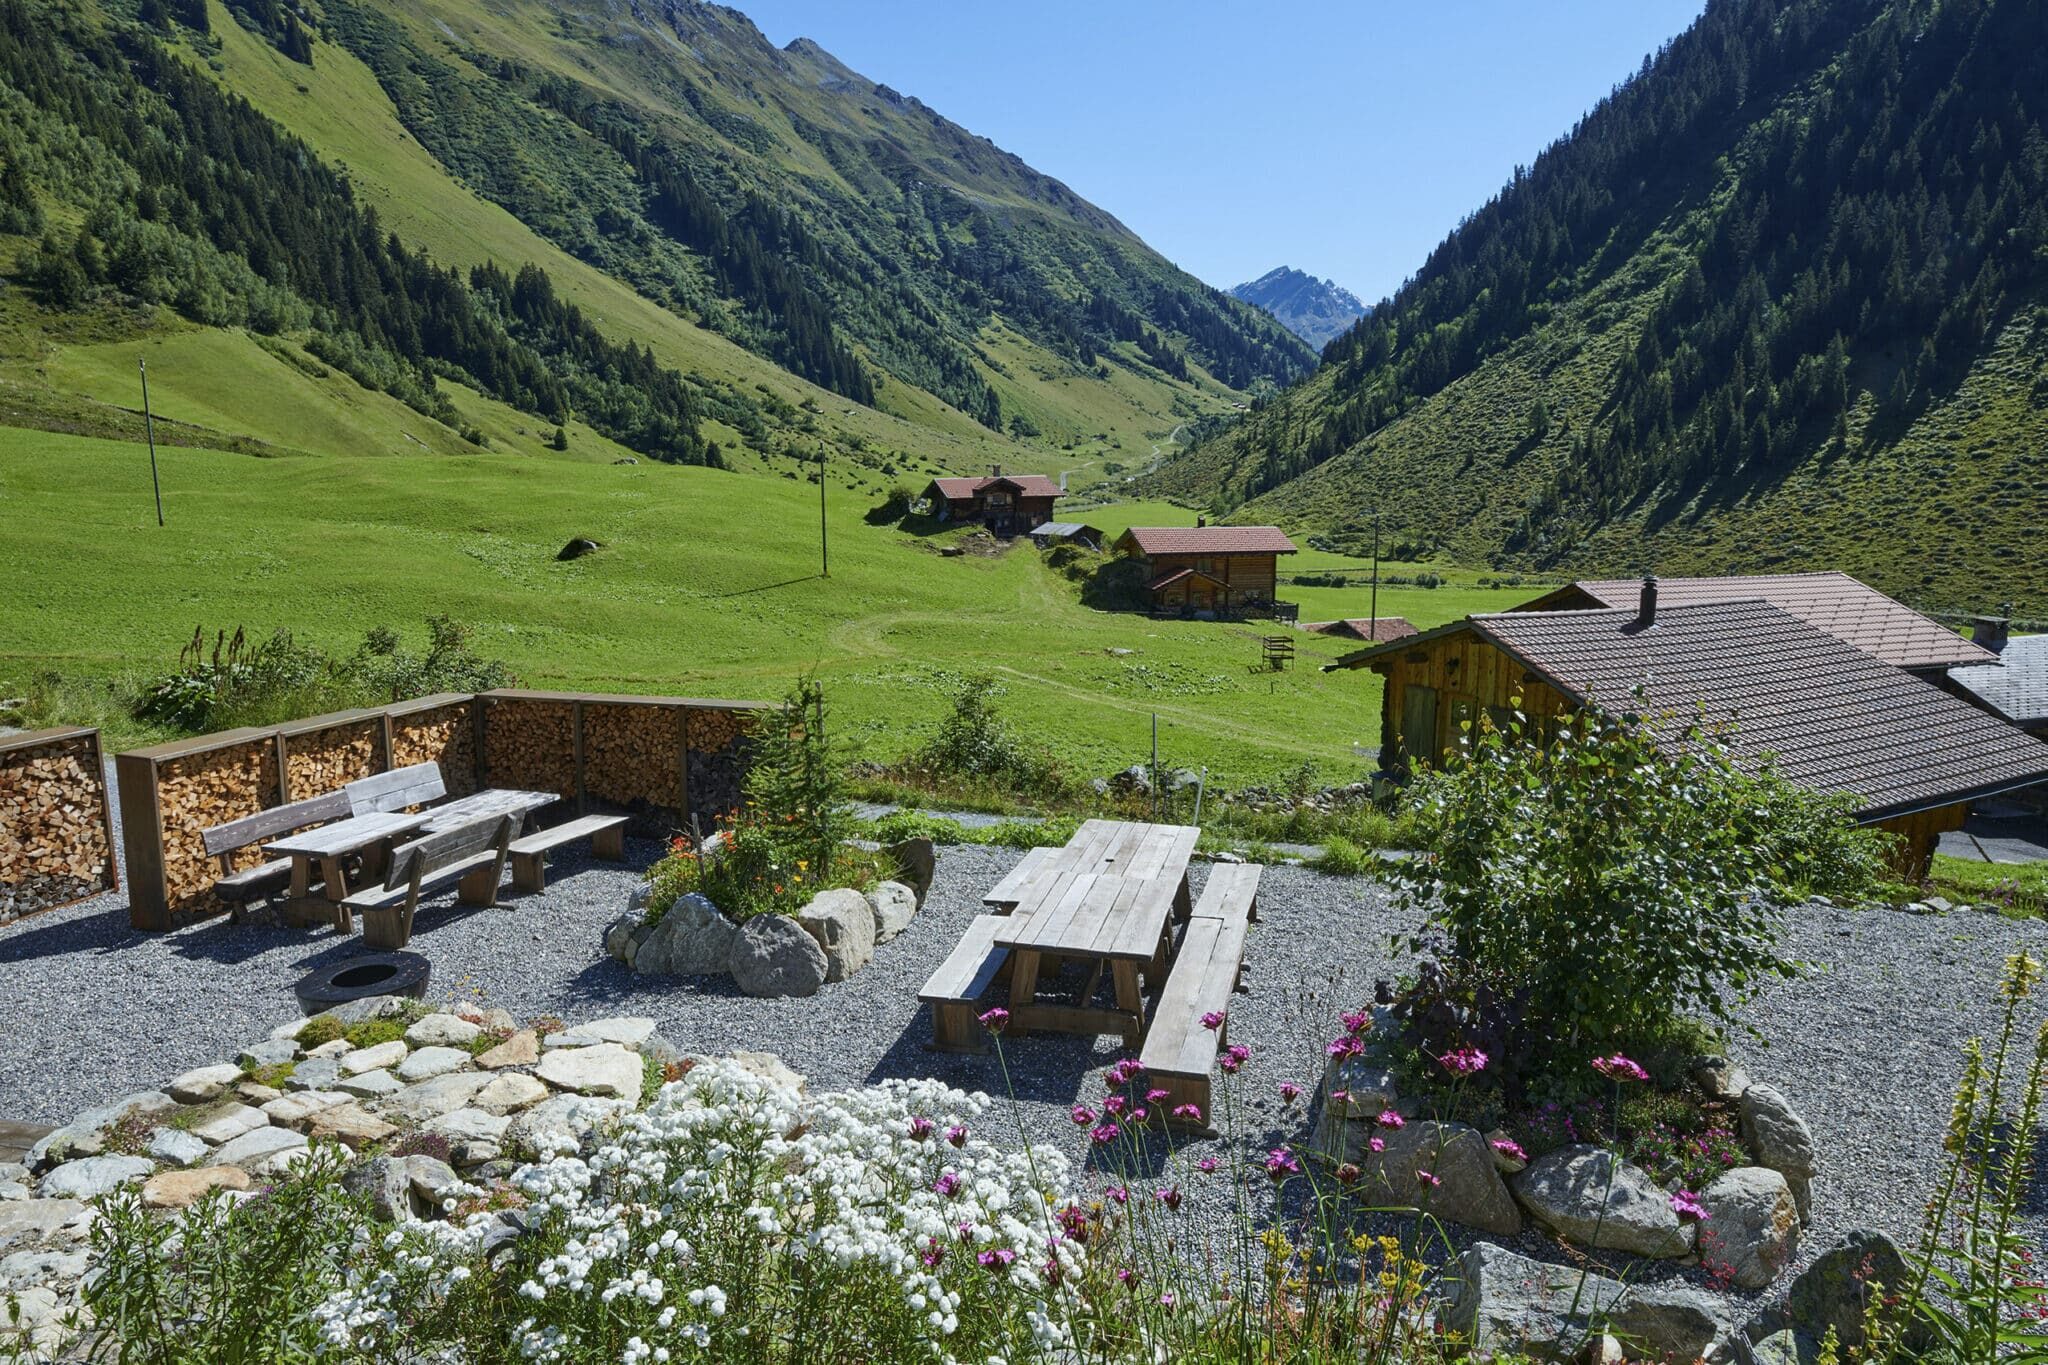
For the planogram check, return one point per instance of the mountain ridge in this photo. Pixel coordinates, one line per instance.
(1316, 310)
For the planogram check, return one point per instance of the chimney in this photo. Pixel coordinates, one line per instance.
(1991, 631)
(1646, 613)
(1200, 522)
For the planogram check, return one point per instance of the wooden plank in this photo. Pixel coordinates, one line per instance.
(1231, 892)
(554, 836)
(1203, 978)
(1084, 1020)
(492, 801)
(347, 835)
(142, 834)
(971, 968)
(427, 855)
(293, 815)
(1005, 891)
(395, 789)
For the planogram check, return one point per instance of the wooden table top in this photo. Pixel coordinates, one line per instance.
(1107, 894)
(493, 801)
(347, 836)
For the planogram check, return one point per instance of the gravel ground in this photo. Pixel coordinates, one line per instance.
(1866, 1045)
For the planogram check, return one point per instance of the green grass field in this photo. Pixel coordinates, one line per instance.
(707, 585)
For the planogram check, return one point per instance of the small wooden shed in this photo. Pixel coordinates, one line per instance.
(1828, 715)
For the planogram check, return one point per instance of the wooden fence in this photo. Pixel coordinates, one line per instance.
(56, 829)
(662, 760)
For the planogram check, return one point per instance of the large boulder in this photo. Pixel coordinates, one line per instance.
(894, 905)
(561, 1124)
(1502, 1302)
(917, 862)
(1781, 1141)
(1752, 1227)
(844, 927)
(442, 1030)
(1360, 1086)
(1465, 1189)
(1584, 1192)
(1836, 1290)
(772, 956)
(692, 939)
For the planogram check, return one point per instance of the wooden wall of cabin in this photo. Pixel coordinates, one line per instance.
(1452, 680)
(1918, 834)
(1249, 578)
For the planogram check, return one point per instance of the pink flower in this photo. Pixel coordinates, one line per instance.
(1082, 1115)
(996, 1257)
(932, 1255)
(1510, 1148)
(1154, 1095)
(1074, 1223)
(1207, 1165)
(1127, 1276)
(996, 1020)
(1280, 1164)
(1357, 1021)
(1213, 1020)
(1234, 1058)
(1347, 1046)
(1348, 1174)
(1052, 1270)
(1105, 1132)
(1289, 1092)
(1619, 1068)
(1170, 1196)
(1140, 1114)
(946, 1184)
(921, 1127)
(1113, 1105)
(1390, 1119)
(1427, 1179)
(1190, 1112)
(957, 1135)
(1377, 1144)
(1687, 1206)
(1120, 1193)
(1465, 1061)
(1340, 1097)
(1166, 1300)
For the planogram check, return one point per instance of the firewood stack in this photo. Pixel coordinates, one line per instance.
(530, 745)
(53, 824)
(322, 760)
(632, 759)
(718, 762)
(195, 792)
(445, 735)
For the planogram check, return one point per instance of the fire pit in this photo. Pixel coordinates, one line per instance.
(358, 978)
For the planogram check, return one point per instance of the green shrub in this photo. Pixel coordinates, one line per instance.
(319, 1031)
(1342, 858)
(975, 745)
(1609, 883)
(373, 1032)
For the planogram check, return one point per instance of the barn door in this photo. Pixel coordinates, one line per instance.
(1418, 724)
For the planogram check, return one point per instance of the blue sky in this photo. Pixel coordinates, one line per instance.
(1344, 139)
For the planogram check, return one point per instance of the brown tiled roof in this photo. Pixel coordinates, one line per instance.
(1840, 605)
(2016, 687)
(1209, 540)
(1835, 717)
(1361, 628)
(1027, 485)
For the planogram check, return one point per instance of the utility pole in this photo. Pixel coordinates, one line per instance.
(149, 428)
(824, 548)
(1374, 628)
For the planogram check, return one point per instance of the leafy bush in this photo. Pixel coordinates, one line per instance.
(975, 745)
(1650, 870)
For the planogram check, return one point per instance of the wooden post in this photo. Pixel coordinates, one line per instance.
(142, 840)
(684, 815)
(576, 751)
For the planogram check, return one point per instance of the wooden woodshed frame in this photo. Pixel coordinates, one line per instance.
(56, 821)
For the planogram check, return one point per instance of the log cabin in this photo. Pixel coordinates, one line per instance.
(1824, 713)
(1222, 569)
(1007, 504)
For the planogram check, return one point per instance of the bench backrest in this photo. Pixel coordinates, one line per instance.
(409, 862)
(268, 824)
(414, 785)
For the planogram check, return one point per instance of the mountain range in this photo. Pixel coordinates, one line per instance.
(1314, 310)
(1780, 301)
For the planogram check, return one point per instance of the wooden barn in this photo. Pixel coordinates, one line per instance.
(1221, 569)
(1830, 716)
(1066, 533)
(1851, 611)
(1373, 629)
(1007, 504)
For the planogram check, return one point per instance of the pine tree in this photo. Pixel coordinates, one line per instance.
(561, 440)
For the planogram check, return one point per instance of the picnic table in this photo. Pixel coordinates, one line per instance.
(491, 801)
(1106, 899)
(327, 847)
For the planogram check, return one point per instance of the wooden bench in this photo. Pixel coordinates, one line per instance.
(1179, 1052)
(607, 835)
(975, 964)
(474, 853)
(414, 785)
(223, 842)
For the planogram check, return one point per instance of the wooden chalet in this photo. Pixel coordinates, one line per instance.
(1828, 715)
(1851, 611)
(1373, 629)
(1221, 569)
(2015, 689)
(1007, 504)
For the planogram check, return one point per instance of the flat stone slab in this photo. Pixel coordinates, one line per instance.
(351, 1125)
(370, 1085)
(180, 1189)
(293, 1111)
(203, 1083)
(90, 1177)
(230, 1124)
(175, 1146)
(314, 1073)
(513, 1090)
(443, 1030)
(254, 1147)
(601, 1069)
(36, 1220)
(521, 1049)
(629, 1030)
(558, 1124)
(434, 1097)
(432, 1061)
(377, 1058)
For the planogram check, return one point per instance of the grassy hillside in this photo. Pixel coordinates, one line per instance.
(1780, 302)
(706, 585)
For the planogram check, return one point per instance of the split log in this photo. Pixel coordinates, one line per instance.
(53, 825)
(445, 735)
(530, 745)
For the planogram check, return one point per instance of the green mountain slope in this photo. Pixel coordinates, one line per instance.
(778, 255)
(1780, 301)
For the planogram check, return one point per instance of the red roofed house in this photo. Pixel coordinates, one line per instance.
(1208, 568)
(1377, 630)
(1008, 504)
